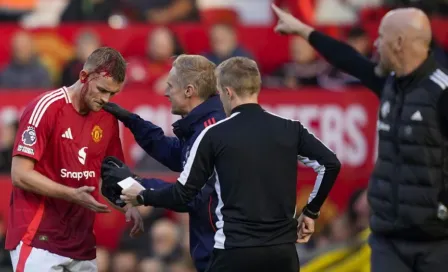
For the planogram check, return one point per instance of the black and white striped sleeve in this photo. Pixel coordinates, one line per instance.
(197, 170)
(313, 153)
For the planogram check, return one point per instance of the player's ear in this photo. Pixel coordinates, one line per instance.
(228, 92)
(83, 75)
(189, 91)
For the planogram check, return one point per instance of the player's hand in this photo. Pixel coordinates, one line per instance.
(133, 214)
(83, 197)
(117, 111)
(287, 24)
(305, 229)
(129, 195)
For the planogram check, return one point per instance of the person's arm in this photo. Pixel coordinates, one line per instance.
(197, 171)
(158, 184)
(35, 129)
(24, 176)
(338, 54)
(347, 59)
(164, 149)
(313, 153)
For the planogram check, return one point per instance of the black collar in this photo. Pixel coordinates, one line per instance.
(247, 107)
(422, 72)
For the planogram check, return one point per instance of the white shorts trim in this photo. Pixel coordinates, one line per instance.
(40, 260)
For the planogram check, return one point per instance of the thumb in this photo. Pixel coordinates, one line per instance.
(88, 189)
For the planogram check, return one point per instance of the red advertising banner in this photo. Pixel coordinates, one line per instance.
(344, 121)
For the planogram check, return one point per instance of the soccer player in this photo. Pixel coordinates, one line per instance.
(62, 139)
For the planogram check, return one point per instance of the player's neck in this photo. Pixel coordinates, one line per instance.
(411, 64)
(74, 93)
(253, 99)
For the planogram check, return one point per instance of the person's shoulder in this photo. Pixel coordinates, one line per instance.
(107, 119)
(46, 104)
(439, 78)
(278, 118)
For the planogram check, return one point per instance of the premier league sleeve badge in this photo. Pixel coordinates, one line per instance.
(29, 136)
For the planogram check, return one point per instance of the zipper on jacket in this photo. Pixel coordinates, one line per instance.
(396, 126)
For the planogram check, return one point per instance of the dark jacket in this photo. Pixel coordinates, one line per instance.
(173, 152)
(410, 174)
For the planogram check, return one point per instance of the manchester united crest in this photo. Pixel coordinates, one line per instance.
(97, 134)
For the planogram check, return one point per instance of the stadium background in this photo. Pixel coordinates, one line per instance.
(44, 43)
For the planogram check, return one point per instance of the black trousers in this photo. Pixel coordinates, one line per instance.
(278, 258)
(389, 255)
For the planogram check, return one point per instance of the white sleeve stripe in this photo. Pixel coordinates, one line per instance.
(46, 107)
(442, 76)
(38, 108)
(437, 81)
(194, 149)
(65, 95)
(68, 96)
(319, 169)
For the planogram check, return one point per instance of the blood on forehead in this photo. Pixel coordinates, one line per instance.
(102, 70)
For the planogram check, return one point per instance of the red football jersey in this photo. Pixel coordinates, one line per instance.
(68, 148)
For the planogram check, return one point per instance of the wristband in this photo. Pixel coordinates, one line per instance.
(310, 214)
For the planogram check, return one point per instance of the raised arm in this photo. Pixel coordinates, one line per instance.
(164, 149)
(338, 54)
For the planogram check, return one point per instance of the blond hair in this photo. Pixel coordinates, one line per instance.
(241, 74)
(197, 71)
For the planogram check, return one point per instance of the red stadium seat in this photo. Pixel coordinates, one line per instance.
(220, 15)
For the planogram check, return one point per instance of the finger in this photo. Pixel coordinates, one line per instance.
(135, 228)
(279, 29)
(303, 239)
(128, 215)
(100, 210)
(98, 205)
(276, 9)
(87, 189)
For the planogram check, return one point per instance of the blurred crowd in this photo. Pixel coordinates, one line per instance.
(305, 67)
(164, 246)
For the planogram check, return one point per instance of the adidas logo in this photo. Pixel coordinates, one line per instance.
(417, 116)
(67, 134)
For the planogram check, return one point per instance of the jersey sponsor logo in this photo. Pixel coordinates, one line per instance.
(82, 155)
(25, 149)
(29, 136)
(77, 175)
(97, 134)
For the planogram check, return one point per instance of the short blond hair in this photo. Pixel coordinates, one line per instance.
(241, 74)
(197, 71)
